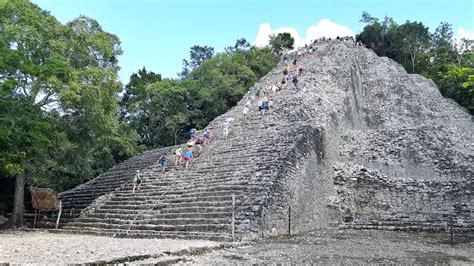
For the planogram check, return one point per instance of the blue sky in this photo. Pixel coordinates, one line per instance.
(157, 34)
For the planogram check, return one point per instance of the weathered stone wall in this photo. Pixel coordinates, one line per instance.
(371, 200)
(302, 189)
(382, 149)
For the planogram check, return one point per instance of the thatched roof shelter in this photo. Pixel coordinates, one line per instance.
(44, 199)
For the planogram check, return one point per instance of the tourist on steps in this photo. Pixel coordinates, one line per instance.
(246, 112)
(192, 133)
(225, 128)
(178, 156)
(163, 162)
(187, 157)
(260, 106)
(295, 82)
(265, 105)
(207, 137)
(199, 144)
(137, 181)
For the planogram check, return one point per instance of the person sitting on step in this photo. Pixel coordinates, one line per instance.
(163, 162)
(137, 181)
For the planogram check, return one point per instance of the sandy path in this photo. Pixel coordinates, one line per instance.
(18, 247)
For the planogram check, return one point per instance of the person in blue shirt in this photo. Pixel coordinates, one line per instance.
(187, 157)
(163, 162)
(265, 105)
(192, 133)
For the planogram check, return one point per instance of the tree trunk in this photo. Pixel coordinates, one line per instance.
(19, 201)
(16, 220)
(412, 55)
(175, 137)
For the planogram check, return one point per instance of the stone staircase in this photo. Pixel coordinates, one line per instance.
(74, 201)
(193, 203)
(197, 202)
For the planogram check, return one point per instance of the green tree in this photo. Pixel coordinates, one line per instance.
(368, 19)
(240, 44)
(444, 51)
(415, 40)
(464, 52)
(372, 37)
(197, 55)
(458, 83)
(281, 41)
(67, 74)
(26, 140)
(135, 104)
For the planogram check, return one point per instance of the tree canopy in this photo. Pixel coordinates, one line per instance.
(281, 41)
(59, 124)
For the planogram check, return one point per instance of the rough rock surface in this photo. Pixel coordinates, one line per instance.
(346, 247)
(361, 144)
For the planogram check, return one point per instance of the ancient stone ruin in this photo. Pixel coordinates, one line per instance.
(361, 144)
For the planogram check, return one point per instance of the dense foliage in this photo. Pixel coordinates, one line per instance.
(448, 62)
(281, 41)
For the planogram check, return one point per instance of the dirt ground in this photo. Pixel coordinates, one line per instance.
(41, 247)
(330, 246)
(350, 247)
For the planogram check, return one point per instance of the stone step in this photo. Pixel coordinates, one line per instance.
(200, 194)
(153, 227)
(148, 234)
(147, 215)
(162, 205)
(216, 190)
(155, 221)
(156, 186)
(196, 209)
(176, 199)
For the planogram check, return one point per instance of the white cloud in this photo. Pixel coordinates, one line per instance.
(324, 28)
(463, 33)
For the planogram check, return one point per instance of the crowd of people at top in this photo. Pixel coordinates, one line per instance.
(262, 95)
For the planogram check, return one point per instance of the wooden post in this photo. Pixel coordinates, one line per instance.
(59, 213)
(289, 219)
(34, 221)
(451, 230)
(233, 217)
